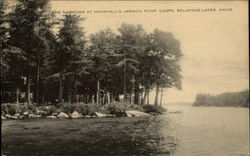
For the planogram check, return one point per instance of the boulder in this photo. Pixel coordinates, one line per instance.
(76, 115)
(41, 112)
(18, 116)
(8, 116)
(26, 113)
(12, 117)
(129, 115)
(100, 115)
(54, 114)
(110, 115)
(87, 116)
(51, 117)
(136, 113)
(3, 118)
(33, 116)
(63, 115)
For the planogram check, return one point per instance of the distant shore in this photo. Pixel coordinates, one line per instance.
(230, 99)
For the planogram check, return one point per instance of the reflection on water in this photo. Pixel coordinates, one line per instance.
(209, 131)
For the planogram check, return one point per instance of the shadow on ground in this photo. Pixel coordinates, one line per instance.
(92, 137)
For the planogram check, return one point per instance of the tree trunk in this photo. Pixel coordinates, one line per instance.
(75, 90)
(124, 85)
(98, 92)
(37, 80)
(145, 96)
(28, 89)
(133, 89)
(130, 98)
(28, 81)
(148, 97)
(60, 87)
(141, 95)
(161, 97)
(137, 96)
(156, 95)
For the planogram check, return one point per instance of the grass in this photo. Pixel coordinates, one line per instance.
(101, 136)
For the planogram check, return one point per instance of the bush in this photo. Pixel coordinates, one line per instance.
(48, 109)
(86, 109)
(92, 108)
(115, 108)
(22, 107)
(13, 108)
(31, 108)
(153, 109)
(67, 108)
(9, 108)
(134, 107)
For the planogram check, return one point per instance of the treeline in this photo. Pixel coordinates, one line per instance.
(237, 99)
(52, 60)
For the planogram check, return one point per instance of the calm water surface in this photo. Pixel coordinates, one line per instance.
(209, 131)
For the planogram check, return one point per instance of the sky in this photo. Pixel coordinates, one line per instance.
(214, 43)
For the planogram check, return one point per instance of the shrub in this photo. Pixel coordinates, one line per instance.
(9, 108)
(49, 110)
(13, 108)
(92, 108)
(22, 107)
(82, 108)
(31, 108)
(153, 109)
(115, 108)
(67, 108)
(134, 107)
(86, 109)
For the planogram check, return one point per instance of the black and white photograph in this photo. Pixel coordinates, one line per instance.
(124, 78)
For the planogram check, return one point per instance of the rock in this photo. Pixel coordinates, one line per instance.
(129, 115)
(18, 116)
(63, 115)
(136, 113)
(51, 117)
(33, 116)
(76, 115)
(110, 115)
(8, 116)
(41, 112)
(54, 114)
(87, 116)
(21, 117)
(3, 118)
(26, 113)
(100, 115)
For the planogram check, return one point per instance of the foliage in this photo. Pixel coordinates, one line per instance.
(236, 99)
(86, 109)
(115, 108)
(9, 108)
(134, 107)
(49, 109)
(153, 109)
(67, 108)
(65, 66)
(13, 108)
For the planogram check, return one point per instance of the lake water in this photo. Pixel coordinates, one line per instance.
(209, 131)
